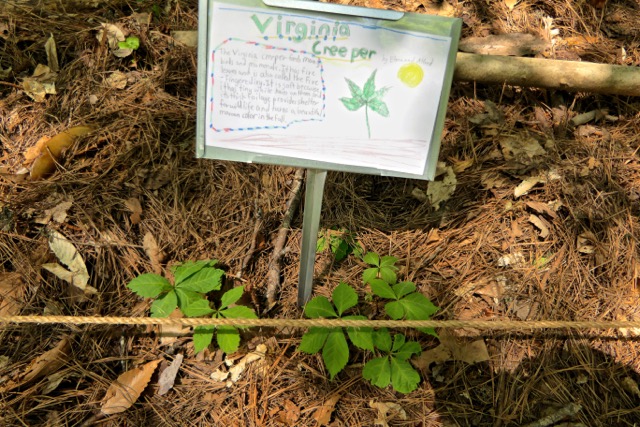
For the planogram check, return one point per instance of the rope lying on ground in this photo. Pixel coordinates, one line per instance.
(327, 323)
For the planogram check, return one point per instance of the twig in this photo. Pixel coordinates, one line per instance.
(566, 411)
(273, 275)
(257, 227)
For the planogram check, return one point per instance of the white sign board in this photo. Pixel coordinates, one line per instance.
(327, 89)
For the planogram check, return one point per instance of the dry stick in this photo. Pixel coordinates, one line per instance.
(257, 226)
(566, 411)
(548, 73)
(328, 323)
(273, 275)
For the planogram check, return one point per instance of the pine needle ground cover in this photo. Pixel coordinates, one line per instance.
(534, 215)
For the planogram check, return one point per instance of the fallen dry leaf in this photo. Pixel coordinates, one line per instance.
(40, 84)
(290, 414)
(526, 185)
(387, 411)
(46, 164)
(58, 213)
(52, 54)
(511, 4)
(133, 204)
(168, 376)
(156, 256)
(116, 80)
(48, 362)
(187, 38)
(33, 152)
(440, 191)
(541, 225)
(323, 414)
(521, 148)
(237, 370)
(453, 348)
(543, 208)
(11, 292)
(126, 389)
(170, 333)
(587, 243)
(630, 386)
(68, 255)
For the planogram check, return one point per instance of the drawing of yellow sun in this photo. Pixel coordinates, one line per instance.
(411, 74)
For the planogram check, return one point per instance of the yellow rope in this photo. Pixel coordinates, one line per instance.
(326, 323)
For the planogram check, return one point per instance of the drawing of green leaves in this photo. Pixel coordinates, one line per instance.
(367, 97)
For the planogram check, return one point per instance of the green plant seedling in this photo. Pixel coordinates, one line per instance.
(332, 341)
(367, 97)
(131, 42)
(394, 367)
(227, 337)
(383, 268)
(341, 242)
(192, 281)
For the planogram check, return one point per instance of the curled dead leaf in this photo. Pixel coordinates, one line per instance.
(151, 248)
(126, 389)
(541, 225)
(48, 362)
(68, 255)
(323, 414)
(45, 165)
(387, 411)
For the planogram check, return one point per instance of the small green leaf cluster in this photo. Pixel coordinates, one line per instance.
(131, 42)
(392, 367)
(332, 341)
(192, 281)
(341, 242)
(406, 302)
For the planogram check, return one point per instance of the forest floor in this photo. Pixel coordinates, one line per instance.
(542, 224)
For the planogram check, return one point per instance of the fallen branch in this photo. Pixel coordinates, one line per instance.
(566, 411)
(548, 73)
(273, 275)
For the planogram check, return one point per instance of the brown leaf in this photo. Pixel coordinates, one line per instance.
(511, 4)
(153, 252)
(290, 414)
(33, 152)
(543, 208)
(48, 362)
(11, 293)
(541, 224)
(170, 333)
(45, 165)
(58, 213)
(133, 204)
(168, 376)
(437, 355)
(387, 411)
(323, 414)
(125, 390)
(453, 348)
